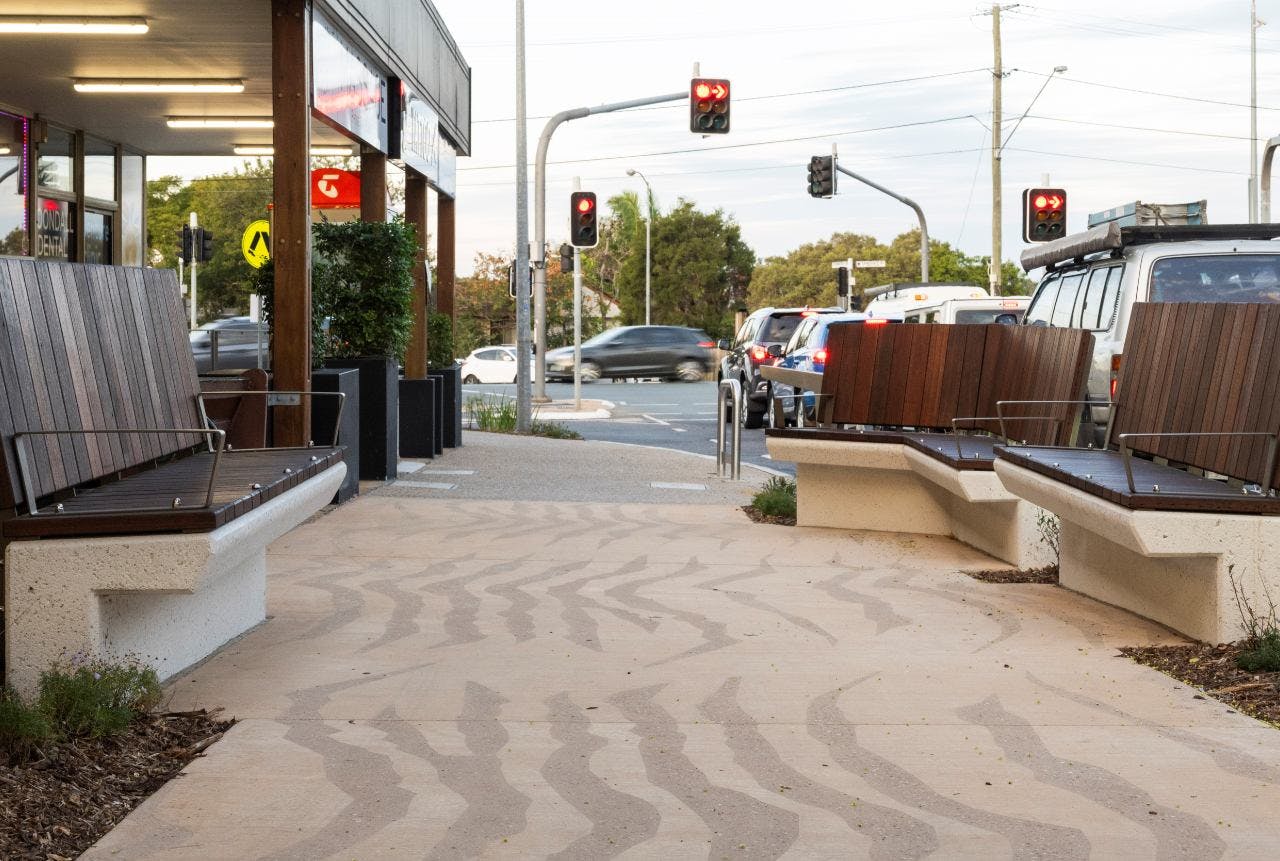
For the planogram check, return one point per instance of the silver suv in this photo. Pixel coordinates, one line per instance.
(1092, 280)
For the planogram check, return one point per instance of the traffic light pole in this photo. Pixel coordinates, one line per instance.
(540, 225)
(195, 256)
(924, 228)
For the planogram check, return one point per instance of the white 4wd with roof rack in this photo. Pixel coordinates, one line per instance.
(1092, 280)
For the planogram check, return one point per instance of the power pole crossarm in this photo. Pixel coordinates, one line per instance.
(924, 228)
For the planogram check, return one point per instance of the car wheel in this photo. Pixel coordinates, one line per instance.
(590, 372)
(689, 371)
(471, 379)
(752, 419)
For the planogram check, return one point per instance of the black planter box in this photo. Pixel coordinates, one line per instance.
(420, 418)
(324, 410)
(379, 415)
(451, 378)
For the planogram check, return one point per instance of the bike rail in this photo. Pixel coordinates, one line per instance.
(729, 390)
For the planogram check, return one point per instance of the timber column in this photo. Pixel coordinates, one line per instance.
(291, 222)
(373, 185)
(446, 256)
(415, 212)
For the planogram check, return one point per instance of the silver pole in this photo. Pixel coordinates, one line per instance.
(924, 228)
(195, 255)
(1253, 112)
(524, 408)
(540, 204)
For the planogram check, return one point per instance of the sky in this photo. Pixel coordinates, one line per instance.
(1153, 107)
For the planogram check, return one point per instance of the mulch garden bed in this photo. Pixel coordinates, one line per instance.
(1048, 574)
(776, 519)
(58, 805)
(1213, 670)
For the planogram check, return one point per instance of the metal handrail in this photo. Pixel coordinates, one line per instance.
(337, 424)
(1126, 454)
(1106, 437)
(729, 389)
(955, 426)
(24, 467)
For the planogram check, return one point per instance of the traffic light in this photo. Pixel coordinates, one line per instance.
(583, 230)
(1044, 214)
(511, 280)
(842, 282)
(204, 244)
(709, 106)
(184, 243)
(566, 258)
(822, 176)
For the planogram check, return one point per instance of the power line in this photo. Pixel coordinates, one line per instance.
(785, 95)
(822, 136)
(1128, 161)
(1068, 17)
(1144, 92)
(1138, 128)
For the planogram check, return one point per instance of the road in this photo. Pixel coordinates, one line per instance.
(679, 416)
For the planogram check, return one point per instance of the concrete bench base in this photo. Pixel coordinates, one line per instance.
(888, 487)
(168, 600)
(1171, 566)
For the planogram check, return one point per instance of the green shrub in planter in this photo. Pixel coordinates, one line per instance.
(440, 341)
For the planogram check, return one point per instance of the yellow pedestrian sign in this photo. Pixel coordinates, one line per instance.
(256, 243)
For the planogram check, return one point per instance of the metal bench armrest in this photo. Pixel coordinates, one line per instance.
(24, 455)
(1084, 403)
(1126, 454)
(337, 425)
(955, 425)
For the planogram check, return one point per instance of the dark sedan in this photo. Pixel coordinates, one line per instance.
(665, 352)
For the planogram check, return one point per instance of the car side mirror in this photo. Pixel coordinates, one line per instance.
(1007, 319)
(774, 350)
(723, 344)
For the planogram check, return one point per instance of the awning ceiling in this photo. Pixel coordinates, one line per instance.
(223, 39)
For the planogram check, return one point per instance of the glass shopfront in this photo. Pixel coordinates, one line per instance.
(66, 195)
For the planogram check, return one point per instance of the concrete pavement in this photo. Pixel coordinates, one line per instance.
(468, 674)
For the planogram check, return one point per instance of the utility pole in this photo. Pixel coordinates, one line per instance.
(1254, 23)
(524, 347)
(997, 203)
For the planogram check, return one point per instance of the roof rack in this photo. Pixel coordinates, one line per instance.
(1109, 237)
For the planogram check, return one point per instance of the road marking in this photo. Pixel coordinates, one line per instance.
(676, 485)
(659, 421)
(680, 430)
(766, 457)
(427, 485)
(405, 467)
(656, 405)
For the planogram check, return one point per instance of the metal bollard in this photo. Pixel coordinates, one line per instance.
(729, 389)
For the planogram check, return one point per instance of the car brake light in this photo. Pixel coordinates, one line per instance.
(808, 313)
(820, 356)
(759, 353)
(1115, 374)
(706, 345)
(877, 321)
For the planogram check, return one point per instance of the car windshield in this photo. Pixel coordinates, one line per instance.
(987, 315)
(604, 337)
(778, 330)
(1217, 278)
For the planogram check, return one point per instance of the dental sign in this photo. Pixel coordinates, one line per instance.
(345, 89)
(423, 148)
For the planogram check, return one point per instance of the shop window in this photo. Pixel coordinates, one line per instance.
(14, 132)
(55, 168)
(55, 229)
(132, 193)
(99, 170)
(97, 236)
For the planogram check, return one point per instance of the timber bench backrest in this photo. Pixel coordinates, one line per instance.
(1208, 369)
(925, 375)
(86, 347)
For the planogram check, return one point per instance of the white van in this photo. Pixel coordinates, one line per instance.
(904, 299)
(993, 309)
(1092, 280)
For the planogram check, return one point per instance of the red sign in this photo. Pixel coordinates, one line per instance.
(332, 188)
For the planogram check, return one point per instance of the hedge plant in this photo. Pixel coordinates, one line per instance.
(363, 272)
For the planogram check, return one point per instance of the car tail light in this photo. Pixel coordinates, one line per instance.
(1115, 374)
(759, 353)
(877, 321)
(820, 357)
(706, 345)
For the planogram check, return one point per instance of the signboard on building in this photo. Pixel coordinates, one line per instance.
(334, 188)
(422, 146)
(345, 88)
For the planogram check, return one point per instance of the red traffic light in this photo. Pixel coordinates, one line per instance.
(586, 204)
(709, 106)
(1044, 214)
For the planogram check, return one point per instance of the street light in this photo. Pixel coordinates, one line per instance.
(647, 223)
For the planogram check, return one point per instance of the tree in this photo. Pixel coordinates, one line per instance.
(485, 310)
(700, 271)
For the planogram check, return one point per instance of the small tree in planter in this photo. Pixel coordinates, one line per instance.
(363, 273)
(444, 368)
